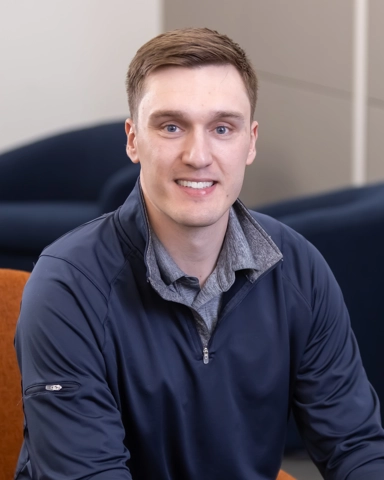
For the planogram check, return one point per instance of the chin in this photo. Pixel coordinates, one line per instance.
(198, 221)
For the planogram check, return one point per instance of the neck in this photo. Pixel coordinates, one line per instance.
(194, 249)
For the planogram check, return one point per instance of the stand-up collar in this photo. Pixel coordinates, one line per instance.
(133, 223)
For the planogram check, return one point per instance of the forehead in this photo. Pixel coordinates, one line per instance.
(193, 90)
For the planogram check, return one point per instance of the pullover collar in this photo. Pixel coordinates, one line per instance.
(265, 253)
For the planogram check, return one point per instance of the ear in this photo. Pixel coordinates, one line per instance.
(130, 130)
(252, 145)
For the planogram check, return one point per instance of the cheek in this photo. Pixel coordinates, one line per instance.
(236, 150)
(235, 171)
(234, 161)
(155, 170)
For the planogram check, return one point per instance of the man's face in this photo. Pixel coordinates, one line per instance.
(193, 138)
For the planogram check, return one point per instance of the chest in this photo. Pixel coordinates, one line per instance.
(154, 351)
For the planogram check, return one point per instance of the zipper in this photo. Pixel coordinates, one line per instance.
(51, 387)
(205, 355)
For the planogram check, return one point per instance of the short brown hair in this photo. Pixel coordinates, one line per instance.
(190, 47)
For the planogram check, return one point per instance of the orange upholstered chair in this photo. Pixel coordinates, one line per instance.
(284, 476)
(11, 411)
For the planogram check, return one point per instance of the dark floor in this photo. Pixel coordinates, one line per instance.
(301, 467)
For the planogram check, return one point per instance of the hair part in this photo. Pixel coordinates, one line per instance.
(190, 47)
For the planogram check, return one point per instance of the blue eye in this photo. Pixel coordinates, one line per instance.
(221, 130)
(171, 128)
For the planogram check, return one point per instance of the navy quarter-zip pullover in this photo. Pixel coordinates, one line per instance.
(116, 384)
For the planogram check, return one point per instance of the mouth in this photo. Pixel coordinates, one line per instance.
(195, 185)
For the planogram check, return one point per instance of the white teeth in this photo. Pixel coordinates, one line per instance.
(185, 183)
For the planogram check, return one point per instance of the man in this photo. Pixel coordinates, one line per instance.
(170, 339)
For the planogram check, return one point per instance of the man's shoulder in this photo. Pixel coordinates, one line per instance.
(302, 263)
(95, 249)
(282, 235)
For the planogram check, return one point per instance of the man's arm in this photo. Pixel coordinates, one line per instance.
(335, 407)
(73, 426)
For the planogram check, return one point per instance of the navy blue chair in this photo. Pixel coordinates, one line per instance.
(53, 185)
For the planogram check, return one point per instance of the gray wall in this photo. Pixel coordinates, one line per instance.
(63, 64)
(376, 92)
(302, 51)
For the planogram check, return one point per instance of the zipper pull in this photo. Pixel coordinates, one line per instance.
(53, 388)
(205, 356)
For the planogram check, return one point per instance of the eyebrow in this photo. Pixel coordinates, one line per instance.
(178, 114)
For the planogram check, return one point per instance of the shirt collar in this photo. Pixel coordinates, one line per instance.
(236, 254)
(133, 214)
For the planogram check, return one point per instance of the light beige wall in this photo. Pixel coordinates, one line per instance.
(302, 51)
(376, 92)
(63, 63)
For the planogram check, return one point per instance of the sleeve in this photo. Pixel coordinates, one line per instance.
(73, 428)
(336, 408)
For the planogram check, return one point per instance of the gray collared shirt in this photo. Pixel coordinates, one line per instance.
(205, 303)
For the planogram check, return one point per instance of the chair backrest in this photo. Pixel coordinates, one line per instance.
(11, 410)
(69, 166)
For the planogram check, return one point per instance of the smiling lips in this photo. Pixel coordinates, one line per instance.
(196, 185)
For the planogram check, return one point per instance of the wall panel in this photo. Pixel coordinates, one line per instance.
(375, 140)
(308, 41)
(375, 166)
(303, 145)
(63, 64)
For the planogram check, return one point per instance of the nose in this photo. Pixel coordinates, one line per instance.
(197, 152)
